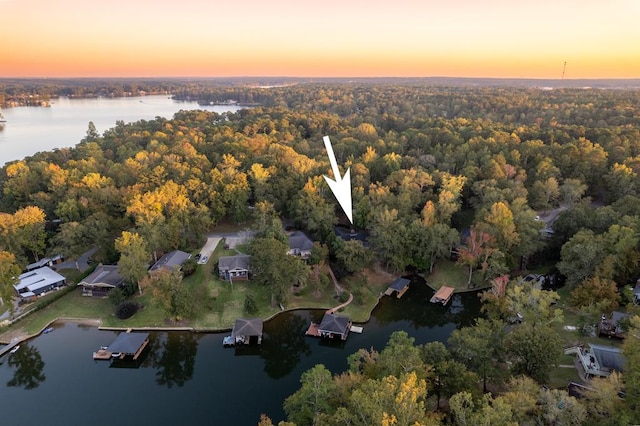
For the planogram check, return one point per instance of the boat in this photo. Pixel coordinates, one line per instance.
(15, 349)
(47, 330)
(228, 341)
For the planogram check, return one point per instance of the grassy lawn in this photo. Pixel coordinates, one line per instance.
(447, 272)
(559, 377)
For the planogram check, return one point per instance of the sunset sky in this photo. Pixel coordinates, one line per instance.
(330, 38)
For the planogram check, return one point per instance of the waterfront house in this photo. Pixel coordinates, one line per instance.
(170, 260)
(38, 281)
(234, 267)
(101, 281)
(300, 245)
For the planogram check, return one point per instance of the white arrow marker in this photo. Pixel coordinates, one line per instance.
(341, 187)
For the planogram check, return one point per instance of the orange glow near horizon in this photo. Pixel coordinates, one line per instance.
(404, 38)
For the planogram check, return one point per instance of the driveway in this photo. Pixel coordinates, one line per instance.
(81, 264)
(208, 249)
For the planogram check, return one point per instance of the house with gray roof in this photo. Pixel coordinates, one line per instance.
(300, 245)
(38, 281)
(102, 280)
(170, 261)
(599, 360)
(234, 267)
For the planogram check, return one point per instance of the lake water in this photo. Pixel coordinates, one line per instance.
(29, 130)
(188, 378)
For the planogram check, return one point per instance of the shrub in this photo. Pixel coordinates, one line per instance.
(117, 296)
(189, 267)
(250, 306)
(126, 310)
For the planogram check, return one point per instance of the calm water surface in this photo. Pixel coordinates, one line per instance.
(187, 378)
(29, 130)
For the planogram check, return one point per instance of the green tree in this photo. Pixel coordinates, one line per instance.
(580, 256)
(313, 398)
(352, 255)
(601, 294)
(631, 351)
(491, 411)
(603, 401)
(273, 267)
(169, 292)
(480, 348)
(534, 350)
(133, 263)
(388, 238)
(9, 273)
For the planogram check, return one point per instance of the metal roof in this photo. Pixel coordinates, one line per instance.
(38, 278)
(128, 343)
(608, 356)
(399, 284)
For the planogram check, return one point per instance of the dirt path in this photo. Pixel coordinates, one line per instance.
(339, 290)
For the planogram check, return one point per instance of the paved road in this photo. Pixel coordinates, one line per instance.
(548, 217)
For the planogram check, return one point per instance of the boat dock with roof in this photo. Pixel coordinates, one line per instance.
(126, 345)
(443, 295)
(399, 286)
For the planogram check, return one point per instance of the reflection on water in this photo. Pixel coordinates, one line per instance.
(285, 343)
(28, 365)
(416, 309)
(174, 358)
(183, 375)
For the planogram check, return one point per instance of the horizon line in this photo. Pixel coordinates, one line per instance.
(306, 77)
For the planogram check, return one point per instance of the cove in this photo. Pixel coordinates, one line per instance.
(189, 378)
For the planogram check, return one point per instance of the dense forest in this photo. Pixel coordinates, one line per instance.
(435, 171)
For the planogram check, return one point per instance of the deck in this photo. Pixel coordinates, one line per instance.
(313, 330)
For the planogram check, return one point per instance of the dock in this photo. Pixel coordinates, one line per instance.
(9, 347)
(443, 295)
(399, 286)
(313, 330)
(126, 345)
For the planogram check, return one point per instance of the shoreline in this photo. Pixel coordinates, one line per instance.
(96, 322)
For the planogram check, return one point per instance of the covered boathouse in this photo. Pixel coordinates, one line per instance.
(246, 331)
(127, 345)
(331, 326)
(443, 295)
(399, 286)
